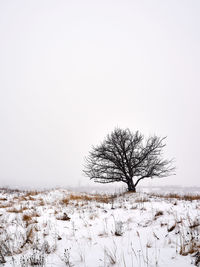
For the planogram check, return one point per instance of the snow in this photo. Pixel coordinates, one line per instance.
(137, 229)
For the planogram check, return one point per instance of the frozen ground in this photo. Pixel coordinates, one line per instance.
(64, 228)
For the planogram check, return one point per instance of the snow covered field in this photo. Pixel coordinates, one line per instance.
(64, 228)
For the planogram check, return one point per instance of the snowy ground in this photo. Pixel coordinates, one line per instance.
(63, 228)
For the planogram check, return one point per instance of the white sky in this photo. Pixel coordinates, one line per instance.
(70, 71)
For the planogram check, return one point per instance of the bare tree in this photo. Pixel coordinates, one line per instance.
(127, 157)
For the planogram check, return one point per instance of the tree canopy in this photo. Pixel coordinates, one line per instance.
(127, 157)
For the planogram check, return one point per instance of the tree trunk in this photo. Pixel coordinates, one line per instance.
(131, 186)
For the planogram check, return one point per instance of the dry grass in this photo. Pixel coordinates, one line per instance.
(141, 200)
(3, 199)
(32, 193)
(15, 210)
(158, 214)
(24, 198)
(93, 216)
(190, 240)
(192, 249)
(171, 228)
(41, 202)
(35, 214)
(18, 209)
(87, 198)
(63, 217)
(111, 255)
(7, 205)
(186, 197)
(29, 237)
(27, 218)
(7, 190)
(65, 201)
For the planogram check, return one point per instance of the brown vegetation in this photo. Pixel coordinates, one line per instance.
(15, 210)
(83, 197)
(63, 217)
(27, 218)
(186, 197)
(141, 200)
(158, 214)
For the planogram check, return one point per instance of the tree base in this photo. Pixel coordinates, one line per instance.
(132, 190)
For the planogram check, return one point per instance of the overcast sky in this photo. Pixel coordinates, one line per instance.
(71, 71)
